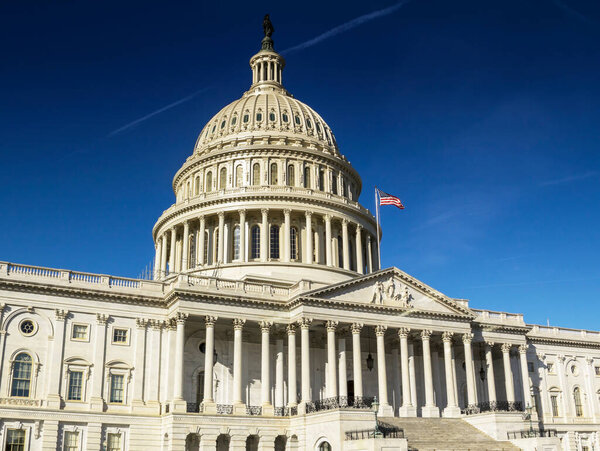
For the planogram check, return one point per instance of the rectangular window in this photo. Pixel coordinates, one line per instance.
(120, 336)
(71, 441)
(80, 332)
(15, 440)
(116, 388)
(551, 368)
(75, 384)
(554, 402)
(113, 442)
(597, 370)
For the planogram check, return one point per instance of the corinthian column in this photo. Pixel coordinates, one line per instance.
(359, 251)
(265, 371)
(186, 246)
(525, 376)
(508, 378)
(430, 409)
(384, 407)
(305, 354)
(242, 235)
(201, 242)
(172, 252)
(179, 405)
(238, 406)
(328, 257)
(357, 362)
(331, 360)
(345, 252)
(157, 258)
(264, 235)
(369, 254)
(467, 338)
(292, 386)
(163, 256)
(407, 409)
(308, 257)
(286, 235)
(209, 350)
(452, 409)
(489, 361)
(221, 241)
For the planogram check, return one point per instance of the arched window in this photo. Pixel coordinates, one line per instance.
(21, 377)
(208, 187)
(344, 188)
(256, 174)
(321, 180)
(578, 404)
(197, 185)
(293, 243)
(291, 176)
(340, 252)
(192, 256)
(274, 241)
(239, 176)
(334, 184)
(223, 178)
(255, 248)
(307, 177)
(206, 242)
(236, 242)
(325, 446)
(274, 178)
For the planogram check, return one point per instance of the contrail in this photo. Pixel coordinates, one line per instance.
(347, 26)
(154, 113)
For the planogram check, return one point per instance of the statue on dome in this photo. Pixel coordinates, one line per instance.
(268, 26)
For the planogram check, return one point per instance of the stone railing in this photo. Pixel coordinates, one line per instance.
(353, 402)
(499, 317)
(382, 431)
(563, 332)
(495, 406)
(240, 286)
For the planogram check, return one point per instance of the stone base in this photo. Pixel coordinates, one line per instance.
(407, 411)
(179, 406)
(97, 404)
(385, 410)
(302, 408)
(239, 409)
(268, 410)
(53, 401)
(451, 412)
(209, 407)
(430, 412)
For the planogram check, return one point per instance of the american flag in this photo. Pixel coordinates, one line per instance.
(388, 199)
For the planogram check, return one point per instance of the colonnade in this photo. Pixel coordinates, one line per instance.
(336, 377)
(304, 236)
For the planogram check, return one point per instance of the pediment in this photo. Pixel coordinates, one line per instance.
(392, 287)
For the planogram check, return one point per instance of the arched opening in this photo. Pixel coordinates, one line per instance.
(280, 442)
(223, 178)
(274, 174)
(293, 243)
(307, 177)
(197, 185)
(223, 442)
(208, 187)
(340, 249)
(324, 446)
(252, 443)
(578, 403)
(291, 176)
(206, 243)
(239, 181)
(21, 377)
(192, 442)
(256, 174)
(255, 247)
(321, 180)
(236, 242)
(192, 251)
(274, 246)
(334, 184)
(554, 395)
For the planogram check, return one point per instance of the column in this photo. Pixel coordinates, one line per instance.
(384, 407)
(345, 252)
(186, 246)
(357, 363)
(328, 256)
(58, 345)
(430, 409)
(153, 351)
(369, 254)
(279, 373)
(265, 371)
(412, 375)
(201, 242)
(565, 406)
(452, 409)
(305, 356)
(491, 383)
(157, 258)
(359, 254)
(292, 385)
(467, 338)
(264, 235)
(308, 253)
(140, 353)
(179, 405)
(243, 251)
(172, 251)
(525, 376)
(163, 255)
(331, 360)
(342, 372)
(221, 239)
(238, 406)
(209, 352)
(286, 235)
(407, 409)
(96, 401)
(508, 378)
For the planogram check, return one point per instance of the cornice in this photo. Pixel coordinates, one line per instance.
(504, 328)
(563, 341)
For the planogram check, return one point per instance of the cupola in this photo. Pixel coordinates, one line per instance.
(267, 65)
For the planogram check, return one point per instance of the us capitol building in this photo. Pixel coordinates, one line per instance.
(270, 326)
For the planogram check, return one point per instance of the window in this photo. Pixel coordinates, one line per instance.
(223, 124)
(297, 119)
(222, 178)
(271, 116)
(308, 123)
(340, 252)
(334, 184)
(197, 186)
(530, 367)
(285, 117)
(27, 327)
(116, 388)
(291, 176)
(321, 180)
(120, 336)
(578, 405)
(255, 250)
(113, 442)
(325, 446)
(293, 243)
(258, 117)
(554, 402)
(75, 384)
(192, 250)
(274, 241)
(236, 242)
(214, 128)
(208, 188)
(21, 378)
(206, 237)
(80, 332)
(318, 127)
(246, 118)
(256, 174)
(274, 174)
(71, 441)
(307, 177)
(15, 440)
(597, 370)
(234, 120)
(344, 188)
(239, 180)
(551, 368)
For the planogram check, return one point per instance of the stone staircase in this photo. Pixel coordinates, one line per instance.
(445, 434)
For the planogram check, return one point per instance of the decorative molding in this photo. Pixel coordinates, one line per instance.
(180, 317)
(210, 321)
(523, 349)
(291, 328)
(102, 318)
(447, 337)
(60, 314)
(141, 323)
(467, 338)
(305, 322)
(426, 334)
(265, 326)
(506, 347)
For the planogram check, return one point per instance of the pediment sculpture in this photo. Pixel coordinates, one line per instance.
(384, 293)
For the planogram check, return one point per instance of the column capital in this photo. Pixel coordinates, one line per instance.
(467, 338)
(264, 211)
(356, 328)
(447, 337)
(210, 320)
(265, 326)
(287, 211)
(102, 318)
(238, 323)
(358, 227)
(221, 214)
(561, 358)
(403, 332)
(156, 324)
(489, 344)
(242, 211)
(523, 349)
(60, 314)
(308, 214)
(180, 317)
(426, 334)
(380, 330)
(331, 325)
(201, 218)
(305, 323)
(291, 328)
(506, 347)
(141, 323)
(345, 222)
(589, 360)
(327, 217)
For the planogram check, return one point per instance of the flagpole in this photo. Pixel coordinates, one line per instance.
(377, 214)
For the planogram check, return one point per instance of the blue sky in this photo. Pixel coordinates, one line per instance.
(483, 117)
